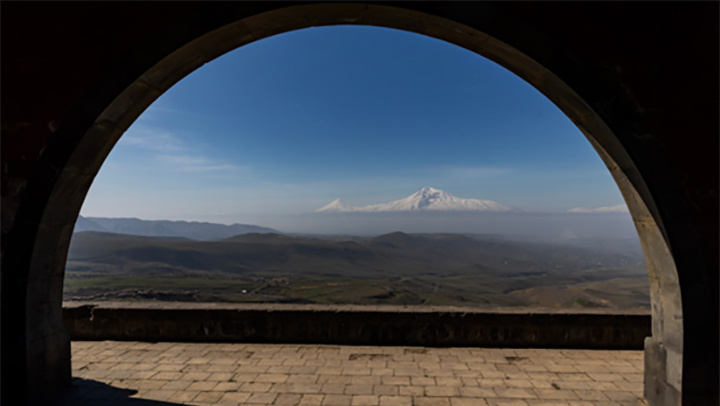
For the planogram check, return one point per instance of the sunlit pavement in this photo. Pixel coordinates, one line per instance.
(166, 374)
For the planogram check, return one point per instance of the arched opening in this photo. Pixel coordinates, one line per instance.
(271, 132)
(47, 226)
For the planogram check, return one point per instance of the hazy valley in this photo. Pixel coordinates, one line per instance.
(394, 268)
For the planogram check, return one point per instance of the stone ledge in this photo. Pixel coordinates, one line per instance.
(356, 325)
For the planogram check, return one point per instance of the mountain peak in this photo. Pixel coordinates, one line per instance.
(427, 198)
(336, 205)
(428, 189)
(428, 192)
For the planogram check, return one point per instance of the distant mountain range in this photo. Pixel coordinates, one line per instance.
(426, 199)
(395, 268)
(166, 228)
(389, 255)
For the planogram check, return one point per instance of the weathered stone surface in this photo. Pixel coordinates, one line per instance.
(644, 89)
(359, 325)
(250, 378)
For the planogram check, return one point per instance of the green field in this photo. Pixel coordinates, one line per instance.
(401, 269)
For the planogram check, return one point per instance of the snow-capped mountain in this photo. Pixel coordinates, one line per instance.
(336, 205)
(426, 199)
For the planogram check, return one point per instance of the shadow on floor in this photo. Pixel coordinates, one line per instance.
(90, 392)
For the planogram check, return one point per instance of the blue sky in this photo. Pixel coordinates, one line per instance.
(287, 124)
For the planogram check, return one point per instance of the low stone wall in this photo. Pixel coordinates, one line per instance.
(355, 325)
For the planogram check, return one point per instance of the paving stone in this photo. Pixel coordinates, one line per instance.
(249, 369)
(182, 396)
(311, 400)
(519, 383)
(233, 374)
(492, 375)
(365, 400)
(304, 388)
(146, 384)
(545, 376)
(409, 372)
(244, 377)
(262, 398)
(142, 375)
(333, 388)
(577, 377)
(303, 370)
(359, 389)
(328, 371)
(591, 395)
(271, 378)
(422, 381)
(618, 396)
(288, 399)
(159, 394)
(170, 367)
(144, 366)
(356, 371)
(208, 397)
(605, 377)
(233, 398)
(343, 380)
(385, 390)
(301, 378)
(636, 387)
(552, 367)
(227, 387)
(545, 402)
(220, 376)
(632, 377)
(202, 386)
(467, 402)
(447, 381)
(254, 387)
(336, 400)
(472, 392)
(177, 385)
(365, 380)
(439, 372)
(194, 376)
(278, 369)
(122, 374)
(396, 380)
(411, 390)
(556, 394)
(391, 400)
(516, 375)
(506, 402)
(418, 401)
(512, 393)
(168, 375)
(441, 391)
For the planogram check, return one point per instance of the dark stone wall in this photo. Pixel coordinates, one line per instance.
(354, 325)
(649, 71)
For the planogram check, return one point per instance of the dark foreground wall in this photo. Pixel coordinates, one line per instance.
(357, 325)
(641, 78)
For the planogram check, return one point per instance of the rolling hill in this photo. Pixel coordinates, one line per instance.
(392, 268)
(396, 254)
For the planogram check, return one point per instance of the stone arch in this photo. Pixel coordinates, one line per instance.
(35, 344)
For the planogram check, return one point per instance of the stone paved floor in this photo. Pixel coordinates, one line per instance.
(166, 374)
